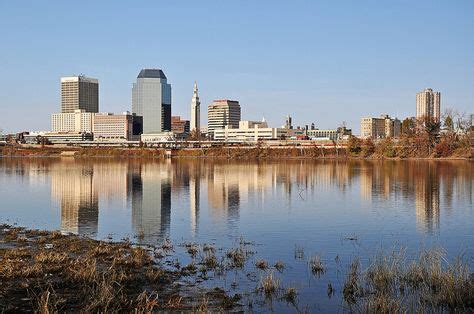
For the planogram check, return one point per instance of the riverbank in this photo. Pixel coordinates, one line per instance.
(231, 152)
(47, 272)
(44, 271)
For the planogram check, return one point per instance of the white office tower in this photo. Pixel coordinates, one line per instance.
(195, 123)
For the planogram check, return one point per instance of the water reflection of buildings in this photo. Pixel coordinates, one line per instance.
(427, 192)
(414, 180)
(73, 188)
(148, 187)
(150, 194)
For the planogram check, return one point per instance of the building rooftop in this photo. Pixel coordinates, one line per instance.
(224, 101)
(78, 78)
(151, 73)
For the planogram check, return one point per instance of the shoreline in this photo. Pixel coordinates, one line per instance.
(45, 270)
(50, 271)
(233, 153)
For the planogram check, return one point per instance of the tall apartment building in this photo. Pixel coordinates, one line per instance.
(382, 127)
(428, 104)
(151, 99)
(125, 126)
(222, 113)
(79, 93)
(78, 121)
(195, 122)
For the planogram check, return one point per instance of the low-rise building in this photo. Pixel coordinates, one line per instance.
(179, 127)
(204, 132)
(78, 121)
(249, 131)
(382, 127)
(157, 137)
(125, 126)
(61, 137)
(329, 134)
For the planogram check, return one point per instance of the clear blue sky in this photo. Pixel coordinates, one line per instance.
(323, 62)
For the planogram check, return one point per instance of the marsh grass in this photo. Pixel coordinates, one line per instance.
(209, 248)
(209, 259)
(429, 283)
(280, 266)
(290, 295)
(261, 264)
(316, 265)
(269, 285)
(192, 249)
(237, 257)
(65, 273)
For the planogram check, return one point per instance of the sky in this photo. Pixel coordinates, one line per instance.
(319, 61)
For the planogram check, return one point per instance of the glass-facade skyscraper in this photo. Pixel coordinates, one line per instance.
(151, 99)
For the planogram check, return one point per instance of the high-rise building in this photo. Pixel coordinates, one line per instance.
(380, 127)
(222, 113)
(195, 123)
(79, 93)
(151, 99)
(288, 122)
(428, 104)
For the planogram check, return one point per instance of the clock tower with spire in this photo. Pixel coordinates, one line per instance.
(195, 123)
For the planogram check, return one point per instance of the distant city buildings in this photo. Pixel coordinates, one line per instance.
(179, 127)
(151, 120)
(288, 122)
(428, 104)
(151, 99)
(195, 122)
(79, 102)
(126, 126)
(79, 93)
(382, 127)
(340, 133)
(53, 137)
(78, 121)
(222, 113)
(249, 131)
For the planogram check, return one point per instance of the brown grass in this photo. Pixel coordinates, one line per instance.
(81, 275)
(261, 264)
(316, 265)
(428, 283)
(279, 265)
(269, 285)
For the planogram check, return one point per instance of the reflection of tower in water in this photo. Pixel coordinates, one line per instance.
(194, 195)
(72, 186)
(150, 192)
(427, 193)
(223, 192)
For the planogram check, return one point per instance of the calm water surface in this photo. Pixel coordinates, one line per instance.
(313, 205)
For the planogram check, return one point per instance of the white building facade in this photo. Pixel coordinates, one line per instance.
(79, 121)
(222, 113)
(249, 131)
(428, 104)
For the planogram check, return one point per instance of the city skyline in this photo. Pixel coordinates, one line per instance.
(328, 76)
